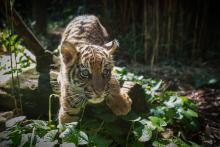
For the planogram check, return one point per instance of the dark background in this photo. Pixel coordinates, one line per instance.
(151, 31)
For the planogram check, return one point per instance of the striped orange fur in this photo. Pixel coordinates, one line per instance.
(86, 69)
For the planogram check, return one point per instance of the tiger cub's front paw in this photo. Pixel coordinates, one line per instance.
(120, 105)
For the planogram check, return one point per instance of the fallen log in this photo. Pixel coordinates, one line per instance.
(32, 103)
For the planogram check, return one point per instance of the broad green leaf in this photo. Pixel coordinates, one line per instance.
(131, 116)
(4, 135)
(8, 72)
(25, 139)
(147, 123)
(190, 113)
(136, 119)
(212, 81)
(65, 144)
(100, 141)
(46, 144)
(157, 86)
(71, 125)
(174, 101)
(15, 136)
(158, 122)
(143, 134)
(11, 122)
(50, 136)
(113, 130)
(5, 143)
(194, 144)
(70, 135)
(41, 127)
(179, 142)
(107, 117)
(82, 138)
(160, 143)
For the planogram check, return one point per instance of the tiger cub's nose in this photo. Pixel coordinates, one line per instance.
(98, 93)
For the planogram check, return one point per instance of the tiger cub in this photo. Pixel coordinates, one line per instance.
(86, 69)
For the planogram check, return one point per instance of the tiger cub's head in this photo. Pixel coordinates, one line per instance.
(89, 67)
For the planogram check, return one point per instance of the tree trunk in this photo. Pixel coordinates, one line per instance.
(156, 45)
(39, 12)
(169, 25)
(145, 33)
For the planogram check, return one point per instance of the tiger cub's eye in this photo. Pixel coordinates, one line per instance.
(84, 73)
(106, 72)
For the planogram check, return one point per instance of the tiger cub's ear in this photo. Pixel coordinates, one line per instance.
(112, 46)
(69, 52)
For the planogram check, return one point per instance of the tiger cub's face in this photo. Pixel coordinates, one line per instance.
(89, 67)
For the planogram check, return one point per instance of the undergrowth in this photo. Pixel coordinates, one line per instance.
(169, 120)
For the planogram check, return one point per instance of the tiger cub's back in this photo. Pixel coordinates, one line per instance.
(85, 29)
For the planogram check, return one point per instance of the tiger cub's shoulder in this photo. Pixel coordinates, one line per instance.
(85, 28)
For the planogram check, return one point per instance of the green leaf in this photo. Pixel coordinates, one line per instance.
(157, 86)
(113, 130)
(160, 143)
(41, 126)
(11, 122)
(6, 143)
(143, 134)
(131, 116)
(4, 135)
(65, 144)
(70, 135)
(147, 123)
(174, 101)
(212, 81)
(46, 144)
(194, 144)
(71, 125)
(179, 142)
(119, 70)
(8, 72)
(50, 136)
(158, 122)
(15, 136)
(100, 141)
(107, 117)
(190, 113)
(25, 139)
(136, 119)
(82, 138)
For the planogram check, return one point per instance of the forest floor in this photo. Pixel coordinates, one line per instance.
(199, 84)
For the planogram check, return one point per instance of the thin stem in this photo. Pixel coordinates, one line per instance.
(32, 137)
(49, 107)
(129, 132)
(49, 111)
(18, 84)
(100, 127)
(12, 77)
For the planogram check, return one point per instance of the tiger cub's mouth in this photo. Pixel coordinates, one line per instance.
(95, 99)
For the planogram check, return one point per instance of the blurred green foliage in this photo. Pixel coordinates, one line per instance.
(12, 44)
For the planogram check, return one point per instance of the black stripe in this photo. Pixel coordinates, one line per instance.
(72, 114)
